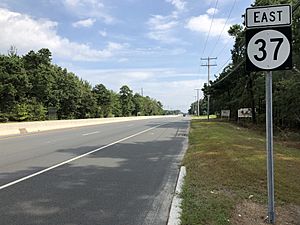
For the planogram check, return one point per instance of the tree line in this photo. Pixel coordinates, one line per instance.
(235, 88)
(33, 88)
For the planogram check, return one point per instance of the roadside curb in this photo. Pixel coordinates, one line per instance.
(175, 211)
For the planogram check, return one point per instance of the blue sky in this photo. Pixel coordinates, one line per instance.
(155, 45)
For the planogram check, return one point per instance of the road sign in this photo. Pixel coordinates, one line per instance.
(269, 49)
(276, 15)
(245, 113)
(225, 113)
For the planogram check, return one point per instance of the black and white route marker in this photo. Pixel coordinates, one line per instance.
(268, 38)
(269, 49)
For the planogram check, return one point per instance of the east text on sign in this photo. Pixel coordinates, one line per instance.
(268, 16)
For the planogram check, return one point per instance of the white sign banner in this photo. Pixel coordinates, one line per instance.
(279, 15)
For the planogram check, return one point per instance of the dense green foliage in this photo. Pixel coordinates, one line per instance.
(235, 88)
(31, 85)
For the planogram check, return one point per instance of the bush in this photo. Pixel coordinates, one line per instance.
(32, 111)
(3, 118)
(21, 112)
(37, 111)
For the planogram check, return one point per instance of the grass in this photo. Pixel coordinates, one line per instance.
(225, 165)
(204, 117)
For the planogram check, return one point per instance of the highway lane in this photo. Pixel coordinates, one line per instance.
(128, 180)
(38, 151)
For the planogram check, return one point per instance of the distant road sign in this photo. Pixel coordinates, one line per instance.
(245, 112)
(269, 49)
(258, 17)
(225, 113)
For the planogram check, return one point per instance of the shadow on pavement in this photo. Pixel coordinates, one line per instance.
(127, 183)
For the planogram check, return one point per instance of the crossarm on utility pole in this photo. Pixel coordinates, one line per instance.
(208, 65)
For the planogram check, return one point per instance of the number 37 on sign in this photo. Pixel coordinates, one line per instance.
(269, 49)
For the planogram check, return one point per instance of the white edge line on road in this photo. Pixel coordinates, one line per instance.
(75, 158)
(96, 132)
(175, 211)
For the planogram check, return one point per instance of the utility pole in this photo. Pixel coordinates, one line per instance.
(194, 108)
(197, 89)
(142, 92)
(208, 65)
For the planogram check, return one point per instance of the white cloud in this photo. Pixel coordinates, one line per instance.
(179, 4)
(220, 3)
(175, 89)
(103, 33)
(115, 78)
(84, 23)
(156, 51)
(202, 24)
(122, 60)
(72, 2)
(29, 34)
(89, 8)
(161, 28)
(173, 94)
(159, 22)
(212, 11)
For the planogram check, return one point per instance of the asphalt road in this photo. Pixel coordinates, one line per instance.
(112, 174)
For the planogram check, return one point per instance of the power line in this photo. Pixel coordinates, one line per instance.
(229, 15)
(224, 65)
(234, 69)
(212, 20)
(228, 42)
(199, 67)
(296, 6)
(208, 65)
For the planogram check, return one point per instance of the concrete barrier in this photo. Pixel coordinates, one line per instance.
(7, 129)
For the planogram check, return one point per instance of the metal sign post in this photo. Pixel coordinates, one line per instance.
(269, 145)
(269, 48)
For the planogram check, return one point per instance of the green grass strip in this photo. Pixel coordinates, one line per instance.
(225, 165)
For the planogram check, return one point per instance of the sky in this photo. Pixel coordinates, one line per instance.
(154, 45)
